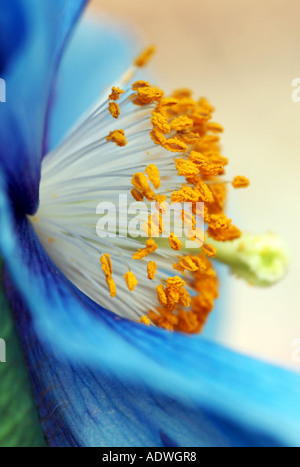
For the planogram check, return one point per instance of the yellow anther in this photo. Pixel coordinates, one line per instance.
(182, 92)
(173, 289)
(118, 137)
(184, 298)
(158, 136)
(140, 84)
(114, 109)
(147, 95)
(106, 265)
(145, 56)
(131, 280)
(197, 235)
(205, 104)
(240, 182)
(151, 270)
(145, 320)
(161, 204)
(107, 269)
(138, 196)
(175, 145)
(161, 295)
(182, 123)
(210, 170)
(140, 182)
(189, 137)
(188, 218)
(115, 93)
(209, 250)
(174, 242)
(187, 194)
(191, 263)
(197, 157)
(161, 122)
(154, 226)
(111, 286)
(186, 168)
(150, 247)
(221, 228)
(153, 174)
(215, 127)
(201, 190)
(167, 102)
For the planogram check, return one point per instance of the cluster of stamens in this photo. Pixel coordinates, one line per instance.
(160, 150)
(182, 125)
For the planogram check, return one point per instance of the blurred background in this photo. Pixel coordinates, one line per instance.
(243, 56)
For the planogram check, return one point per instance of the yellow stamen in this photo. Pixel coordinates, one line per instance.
(161, 203)
(150, 247)
(221, 229)
(147, 95)
(240, 182)
(140, 84)
(215, 127)
(182, 92)
(158, 136)
(175, 145)
(140, 182)
(155, 225)
(118, 137)
(161, 122)
(161, 295)
(174, 242)
(106, 264)
(209, 250)
(115, 93)
(153, 174)
(182, 123)
(197, 235)
(131, 280)
(145, 320)
(145, 56)
(138, 196)
(114, 109)
(151, 270)
(186, 168)
(107, 269)
(190, 263)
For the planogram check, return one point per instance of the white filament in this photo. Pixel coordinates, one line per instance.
(84, 171)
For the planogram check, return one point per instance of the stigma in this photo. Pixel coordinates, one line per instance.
(158, 149)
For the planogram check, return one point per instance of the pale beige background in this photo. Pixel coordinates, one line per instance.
(243, 55)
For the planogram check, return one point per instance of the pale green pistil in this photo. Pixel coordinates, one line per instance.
(261, 260)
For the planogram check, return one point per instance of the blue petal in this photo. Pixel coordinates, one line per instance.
(12, 31)
(247, 400)
(82, 406)
(29, 84)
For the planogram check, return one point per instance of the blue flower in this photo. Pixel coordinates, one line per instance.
(98, 378)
